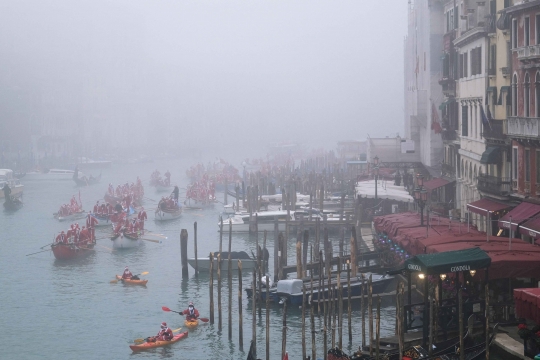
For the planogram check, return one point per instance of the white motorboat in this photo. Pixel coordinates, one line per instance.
(168, 214)
(51, 174)
(126, 241)
(6, 177)
(265, 221)
(204, 263)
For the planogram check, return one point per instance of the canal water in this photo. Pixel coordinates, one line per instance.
(70, 310)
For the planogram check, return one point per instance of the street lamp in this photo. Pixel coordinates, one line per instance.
(376, 168)
(420, 195)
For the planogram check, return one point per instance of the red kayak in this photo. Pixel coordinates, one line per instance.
(63, 251)
(151, 345)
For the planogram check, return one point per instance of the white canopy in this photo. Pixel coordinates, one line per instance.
(385, 190)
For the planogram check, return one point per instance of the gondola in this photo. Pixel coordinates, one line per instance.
(12, 204)
(85, 181)
(449, 350)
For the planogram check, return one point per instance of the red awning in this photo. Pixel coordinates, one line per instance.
(483, 206)
(435, 183)
(519, 214)
(528, 303)
(531, 228)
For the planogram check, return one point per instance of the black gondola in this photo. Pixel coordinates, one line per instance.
(85, 181)
(12, 204)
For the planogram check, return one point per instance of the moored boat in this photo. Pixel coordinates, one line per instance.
(204, 263)
(63, 251)
(158, 343)
(85, 180)
(192, 323)
(49, 175)
(265, 221)
(132, 282)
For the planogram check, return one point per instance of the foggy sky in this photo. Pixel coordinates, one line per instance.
(209, 72)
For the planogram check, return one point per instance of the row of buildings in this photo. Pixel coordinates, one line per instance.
(472, 100)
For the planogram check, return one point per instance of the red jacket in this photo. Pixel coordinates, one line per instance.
(165, 334)
(191, 315)
(127, 275)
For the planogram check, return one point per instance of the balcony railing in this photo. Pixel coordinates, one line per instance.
(523, 127)
(494, 185)
(528, 52)
(496, 131)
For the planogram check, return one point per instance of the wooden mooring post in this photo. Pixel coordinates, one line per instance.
(363, 307)
(349, 306)
(304, 353)
(229, 277)
(378, 327)
(183, 252)
(340, 307)
(254, 313)
(220, 317)
(211, 288)
(284, 331)
(267, 319)
(370, 313)
(240, 318)
(195, 247)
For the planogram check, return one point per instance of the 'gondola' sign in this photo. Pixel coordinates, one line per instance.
(460, 268)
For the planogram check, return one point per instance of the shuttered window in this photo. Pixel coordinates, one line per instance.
(464, 120)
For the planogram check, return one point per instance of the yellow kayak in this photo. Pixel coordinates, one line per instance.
(193, 323)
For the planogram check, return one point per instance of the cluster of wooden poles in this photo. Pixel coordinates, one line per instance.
(330, 306)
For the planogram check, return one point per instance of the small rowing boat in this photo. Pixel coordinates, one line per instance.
(126, 240)
(63, 251)
(158, 343)
(132, 282)
(168, 214)
(73, 216)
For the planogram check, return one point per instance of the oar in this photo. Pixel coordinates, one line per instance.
(38, 252)
(164, 308)
(139, 340)
(116, 280)
(155, 241)
(46, 245)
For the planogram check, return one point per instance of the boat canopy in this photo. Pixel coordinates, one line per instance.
(446, 262)
(236, 255)
(293, 286)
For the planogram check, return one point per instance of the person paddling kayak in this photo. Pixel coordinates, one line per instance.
(191, 313)
(127, 274)
(165, 334)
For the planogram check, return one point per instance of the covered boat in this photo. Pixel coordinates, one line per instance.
(64, 251)
(204, 263)
(265, 221)
(12, 203)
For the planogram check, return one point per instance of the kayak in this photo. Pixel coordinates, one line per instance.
(191, 323)
(132, 282)
(151, 345)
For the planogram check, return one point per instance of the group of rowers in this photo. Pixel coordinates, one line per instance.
(133, 226)
(77, 236)
(155, 179)
(135, 190)
(71, 208)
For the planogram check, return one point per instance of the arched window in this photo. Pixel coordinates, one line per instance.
(527, 96)
(537, 95)
(514, 95)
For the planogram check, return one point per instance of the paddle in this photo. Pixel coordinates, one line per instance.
(139, 340)
(164, 308)
(116, 280)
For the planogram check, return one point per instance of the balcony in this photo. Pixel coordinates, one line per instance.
(497, 130)
(523, 127)
(494, 185)
(528, 52)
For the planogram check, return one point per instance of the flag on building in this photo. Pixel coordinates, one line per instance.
(485, 120)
